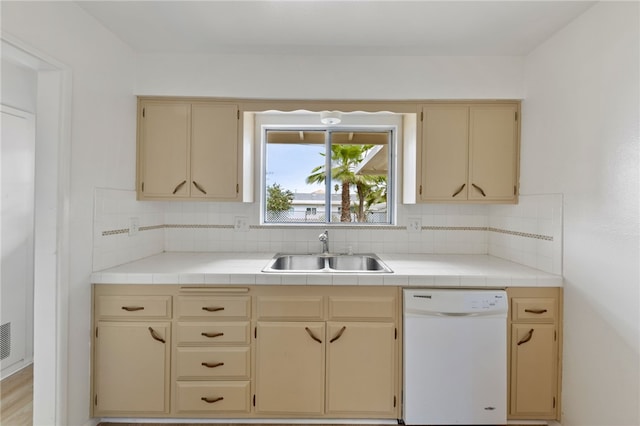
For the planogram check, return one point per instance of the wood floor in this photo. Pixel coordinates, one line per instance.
(16, 398)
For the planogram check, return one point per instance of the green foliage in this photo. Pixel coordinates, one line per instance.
(278, 199)
(370, 189)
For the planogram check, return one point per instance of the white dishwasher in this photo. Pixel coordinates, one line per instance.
(455, 357)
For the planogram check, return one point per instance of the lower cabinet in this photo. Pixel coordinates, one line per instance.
(131, 368)
(288, 352)
(361, 366)
(535, 353)
(336, 358)
(290, 368)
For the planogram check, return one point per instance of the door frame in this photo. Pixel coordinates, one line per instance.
(51, 229)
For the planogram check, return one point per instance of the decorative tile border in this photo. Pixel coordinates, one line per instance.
(350, 227)
(115, 232)
(521, 234)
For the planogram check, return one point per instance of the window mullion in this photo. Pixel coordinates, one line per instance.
(328, 172)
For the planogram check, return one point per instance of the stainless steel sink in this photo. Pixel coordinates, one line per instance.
(296, 262)
(336, 263)
(356, 263)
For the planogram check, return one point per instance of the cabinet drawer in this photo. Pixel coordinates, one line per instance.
(208, 397)
(134, 307)
(377, 307)
(213, 363)
(534, 309)
(213, 306)
(289, 307)
(213, 332)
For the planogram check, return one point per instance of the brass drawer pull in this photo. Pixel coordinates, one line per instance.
(199, 188)
(211, 400)
(133, 308)
(211, 335)
(212, 364)
(459, 190)
(180, 185)
(155, 335)
(310, 333)
(213, 308)
(535, 311)
(339, 335)
(479, 189)
(526, 338)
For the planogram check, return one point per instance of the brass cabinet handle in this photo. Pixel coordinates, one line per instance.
(479, 189)
(526, 338)
(339, 335)
(213, 308)
(155, 335)
(180, 185)
(133, 308)
(459, 190)
(198, 187)
(212, 334)
(212, 364)
(312, 335)
(211, 400)
(536, 311)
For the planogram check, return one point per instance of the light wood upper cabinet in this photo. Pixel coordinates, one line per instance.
(214, 151)
(188, 150)
(131, 374)
(163, 151)
(469, 152)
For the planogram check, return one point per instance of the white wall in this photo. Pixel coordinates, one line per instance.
(19, 86)
(330, 77)
(102, 149)
(580, 138)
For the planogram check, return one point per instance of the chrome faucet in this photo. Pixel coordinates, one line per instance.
(324, 238)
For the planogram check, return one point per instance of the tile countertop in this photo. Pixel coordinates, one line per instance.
(433, 270)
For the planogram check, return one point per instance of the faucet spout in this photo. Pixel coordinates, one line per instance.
(324, 238)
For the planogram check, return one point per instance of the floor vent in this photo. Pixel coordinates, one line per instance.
(5, 340)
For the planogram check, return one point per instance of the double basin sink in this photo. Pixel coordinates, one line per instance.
(336, 263)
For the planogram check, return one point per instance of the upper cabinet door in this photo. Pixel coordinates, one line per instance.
(214, 151)
(444, 157)
(164, 133)
(469, 152)
(493, 145)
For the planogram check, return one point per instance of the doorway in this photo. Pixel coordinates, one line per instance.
(50, 266)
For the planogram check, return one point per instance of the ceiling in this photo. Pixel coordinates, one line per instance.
(321, 27)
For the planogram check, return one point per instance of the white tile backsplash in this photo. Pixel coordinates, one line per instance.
(540, 215)
(529, 232)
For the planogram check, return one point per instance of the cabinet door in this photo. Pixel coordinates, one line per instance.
(131, 371)
(361, 366)
(290, 368)
(533, 370)
(214, 151)
(493, 137)
(444, 157)
(163, 169)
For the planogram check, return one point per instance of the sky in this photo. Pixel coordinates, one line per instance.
(289, 165)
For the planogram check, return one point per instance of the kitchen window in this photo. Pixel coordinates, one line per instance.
(325, 176)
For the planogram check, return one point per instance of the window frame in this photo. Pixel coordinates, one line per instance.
(383, 125)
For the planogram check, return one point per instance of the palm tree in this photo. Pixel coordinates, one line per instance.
(371, 190)
(344, 159)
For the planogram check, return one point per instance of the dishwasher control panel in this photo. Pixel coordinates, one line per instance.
(451, 302)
